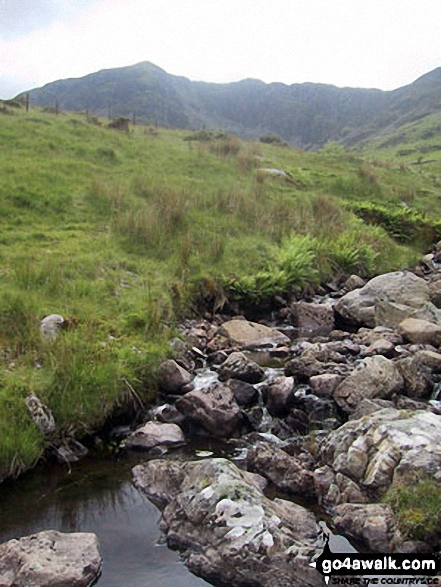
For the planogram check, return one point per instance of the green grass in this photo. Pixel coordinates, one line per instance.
(122, 232)
(418, 510)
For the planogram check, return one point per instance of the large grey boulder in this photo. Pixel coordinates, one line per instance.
(228, 531)
(387, 300)
(212, 410)
(251, 334)
(384, 448)
(50, 559)
(374, 377)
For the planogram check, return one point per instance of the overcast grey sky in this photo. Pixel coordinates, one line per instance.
(360, 43)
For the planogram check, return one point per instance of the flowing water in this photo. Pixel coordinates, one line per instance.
(97, 495)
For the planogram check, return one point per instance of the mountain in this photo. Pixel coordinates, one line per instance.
(307, 115)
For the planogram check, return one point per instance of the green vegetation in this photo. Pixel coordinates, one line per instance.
(418, 509)
(123, 233)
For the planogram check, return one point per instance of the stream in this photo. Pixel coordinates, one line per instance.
(97, 495)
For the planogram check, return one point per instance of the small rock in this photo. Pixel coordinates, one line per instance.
(420, 331)
(238, 366)
(172, 377)
(285, 471)
(244, 393)
(71, 451)
(50, 326)
(244, 333)
(212, 410)
(354, 282)
(155, 434)
(312, 318)
(324, 385)
(41, 415)
(280, 396)
(374, 377)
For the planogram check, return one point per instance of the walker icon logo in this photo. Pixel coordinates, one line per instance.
(407, 569)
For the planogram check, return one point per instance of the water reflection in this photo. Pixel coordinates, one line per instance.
(97, 496)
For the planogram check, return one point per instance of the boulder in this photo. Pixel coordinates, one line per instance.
(386, 447)
(374, 377)
(227, 530)
(238, 366)
(212, 410)
(417, 377)
(173, 377)
(333, 488)
(400, 287)
(251, 334)
(50, 559)
(155, 434)
(420, 331)
(280, 396)
(373, 524)
(312, 318)
(354, 282)
(324, 385)
(287, 473)
(244, 393)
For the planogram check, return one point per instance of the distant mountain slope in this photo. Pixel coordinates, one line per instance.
(308, 115)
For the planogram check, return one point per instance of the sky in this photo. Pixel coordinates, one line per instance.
(383, 44)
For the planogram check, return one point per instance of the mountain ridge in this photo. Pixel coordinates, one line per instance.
(307, 115)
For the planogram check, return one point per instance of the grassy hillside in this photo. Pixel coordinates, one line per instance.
(122, 233)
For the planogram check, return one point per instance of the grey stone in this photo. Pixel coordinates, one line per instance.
(420, 331)
(324, 385)
(280, 396)
(238, 366)
(214, 410)
(286, 472)
(172, 377)
(400, 287)
(41, 415)
(379, 449)
(155, 434)
(50, 559)
(374, 377)
(50, 326)
(311, 317)
(244, 393)
(373, 524)
(244, 333)
(227, 530)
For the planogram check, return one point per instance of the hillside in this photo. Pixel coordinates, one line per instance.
(307, 115)
(124, 233)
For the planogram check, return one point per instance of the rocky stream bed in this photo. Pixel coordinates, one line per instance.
(326, 404)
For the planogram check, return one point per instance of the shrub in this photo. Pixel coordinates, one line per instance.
(418, 509)
(402, 224)
(270, 139)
